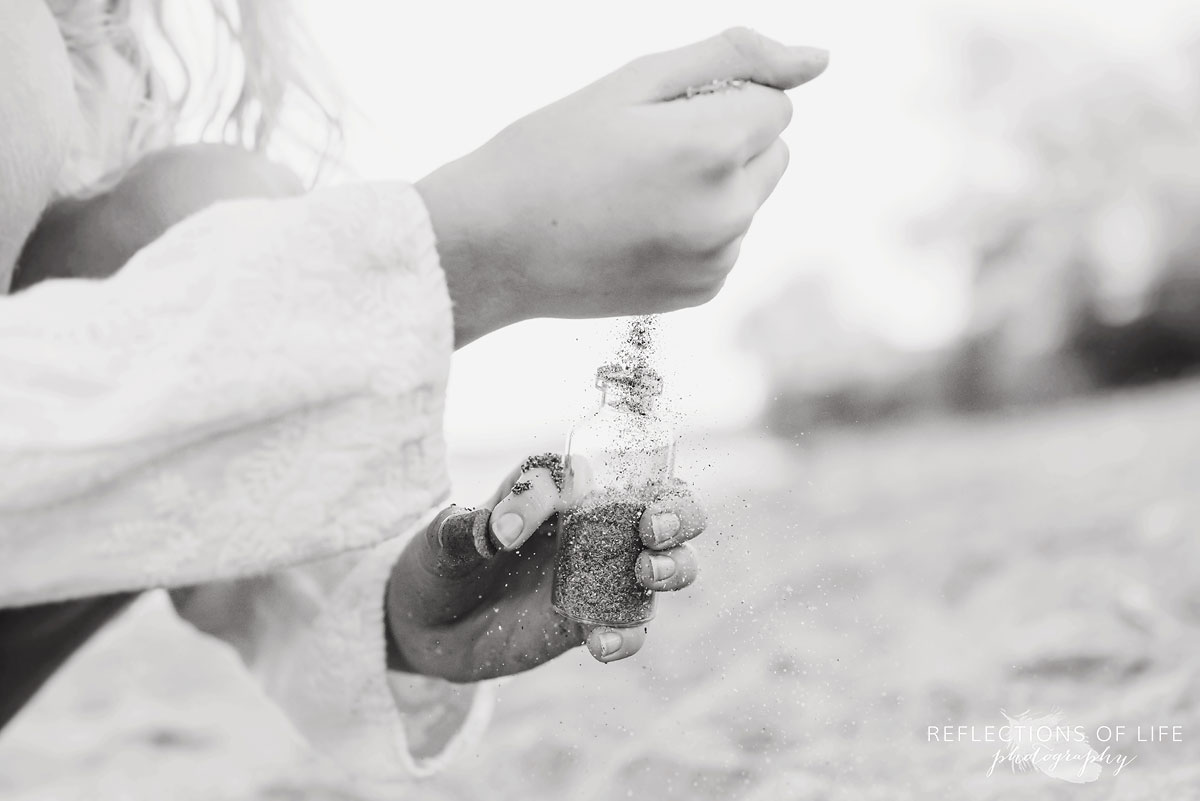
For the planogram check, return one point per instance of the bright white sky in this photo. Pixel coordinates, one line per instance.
(874, 142)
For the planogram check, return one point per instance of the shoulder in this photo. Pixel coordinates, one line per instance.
(176, 182)
(91, 237)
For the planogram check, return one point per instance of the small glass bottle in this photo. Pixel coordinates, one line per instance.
(620, 457)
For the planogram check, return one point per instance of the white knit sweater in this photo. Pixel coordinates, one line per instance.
(253, 404)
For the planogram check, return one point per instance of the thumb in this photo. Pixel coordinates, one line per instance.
(532, 499)
(738, 53)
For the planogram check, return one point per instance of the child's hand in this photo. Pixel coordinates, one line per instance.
(621, 198)
(478, 618)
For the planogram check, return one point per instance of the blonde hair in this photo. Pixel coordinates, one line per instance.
(151, 73)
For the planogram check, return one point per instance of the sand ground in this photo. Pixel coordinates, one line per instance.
(858, 588)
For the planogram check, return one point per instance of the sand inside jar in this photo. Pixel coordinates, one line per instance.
(595, 580)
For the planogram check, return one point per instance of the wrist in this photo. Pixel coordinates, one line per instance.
(483, 290)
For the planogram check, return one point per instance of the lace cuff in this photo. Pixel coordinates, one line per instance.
(379, 725)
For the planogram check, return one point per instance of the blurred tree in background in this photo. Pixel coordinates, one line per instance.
(1080, 205)
(826, 371)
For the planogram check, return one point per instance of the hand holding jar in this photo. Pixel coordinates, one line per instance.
(565, 552)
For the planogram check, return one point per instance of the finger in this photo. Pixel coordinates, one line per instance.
(745, 121)
(440, 571)
(608, 644)
(458, 542)
(457, 538)
(764, 171)
(672, 519)
(733, 54)
(669, 570)
(532, 499)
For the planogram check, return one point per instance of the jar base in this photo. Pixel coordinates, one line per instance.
(592, 622)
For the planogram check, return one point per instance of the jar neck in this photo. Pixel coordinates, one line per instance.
(625, 399)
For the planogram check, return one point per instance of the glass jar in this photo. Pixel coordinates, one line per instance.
(617, 461)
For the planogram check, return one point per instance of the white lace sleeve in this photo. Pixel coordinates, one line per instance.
(261, 386)
(314, 637)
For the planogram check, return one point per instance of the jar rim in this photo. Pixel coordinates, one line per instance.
(640, 379)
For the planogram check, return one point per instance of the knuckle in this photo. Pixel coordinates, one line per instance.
(642, 67)
(688, 564)
(732, 225)
(714, 247)
(785, 155)
(746, 42)
(728, 215)
(786, 109)
(650, 73)
(641, 64)
(712, 238)
(705, 227)
(752, 51)
(687, 568)
(709, 152)
(676, 232)
(743, 218)
(725, 259)
(706, 293)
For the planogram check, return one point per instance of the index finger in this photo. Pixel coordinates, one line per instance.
(738, 53)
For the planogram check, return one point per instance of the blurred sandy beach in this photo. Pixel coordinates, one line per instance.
(857, 588)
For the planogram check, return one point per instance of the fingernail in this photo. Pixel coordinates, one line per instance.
(661, 567)
(508, 528)
(609, 642)
(665, 525)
